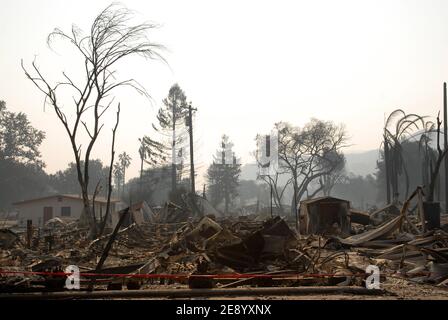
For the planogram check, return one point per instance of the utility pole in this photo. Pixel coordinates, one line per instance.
(190, 125)
(271, 200)
(268, 155)
(445, 143)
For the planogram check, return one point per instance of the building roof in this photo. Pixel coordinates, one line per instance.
(320, 199)
(68, 196)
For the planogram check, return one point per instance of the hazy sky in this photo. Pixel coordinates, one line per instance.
(245, 65)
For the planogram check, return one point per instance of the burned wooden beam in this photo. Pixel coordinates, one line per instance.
(123, 215)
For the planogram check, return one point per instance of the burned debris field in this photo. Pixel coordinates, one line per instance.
(179, 255)
(181, 159)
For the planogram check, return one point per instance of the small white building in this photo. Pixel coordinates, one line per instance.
(64, 206)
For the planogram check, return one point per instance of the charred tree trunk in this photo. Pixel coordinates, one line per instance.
(109, 189)
(445, 142)
(387, 167)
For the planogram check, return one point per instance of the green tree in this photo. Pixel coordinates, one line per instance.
(125, 161)
(118, 177)
(21, 181)
(152, 153)
(19, 140)
(223, 175)
(171, 124)
(21, 169)
(66, 181)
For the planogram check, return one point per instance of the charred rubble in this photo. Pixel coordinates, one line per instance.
(332, 246)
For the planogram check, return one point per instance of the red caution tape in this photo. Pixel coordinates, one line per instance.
(213, 276)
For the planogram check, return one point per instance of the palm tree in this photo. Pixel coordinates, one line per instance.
(124, 160)
(118, 176)
(397, 130)
(142, 154)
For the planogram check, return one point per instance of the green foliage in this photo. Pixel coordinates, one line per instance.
(124, 161)
(19, 141)
(151, 152)
(175, 108)
(21, 173)
(21, 181)
(223, 179)
(118, 176)
(66, 181)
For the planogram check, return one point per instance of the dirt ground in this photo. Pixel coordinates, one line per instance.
(396, 289)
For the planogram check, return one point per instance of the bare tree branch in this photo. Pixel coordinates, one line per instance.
(112, 38)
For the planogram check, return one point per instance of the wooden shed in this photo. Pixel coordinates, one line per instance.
(324, 215)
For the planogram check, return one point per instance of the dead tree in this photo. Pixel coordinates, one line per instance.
(278, 190)
(332, 177)
(435, 167)
(309, 153)
(109, 182)
(398, 129)
(272, 179)
(111, 39)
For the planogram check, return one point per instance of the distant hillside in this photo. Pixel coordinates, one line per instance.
(358, 163)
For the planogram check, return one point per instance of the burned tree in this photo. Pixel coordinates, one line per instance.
(277, 189)
(428, 155)
(308, 153)
(333, 176)
(435, 164)
(109, 180)
(397, 130)
(269, 171)
(111, 39)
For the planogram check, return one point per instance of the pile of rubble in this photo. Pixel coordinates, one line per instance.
(213, 252)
